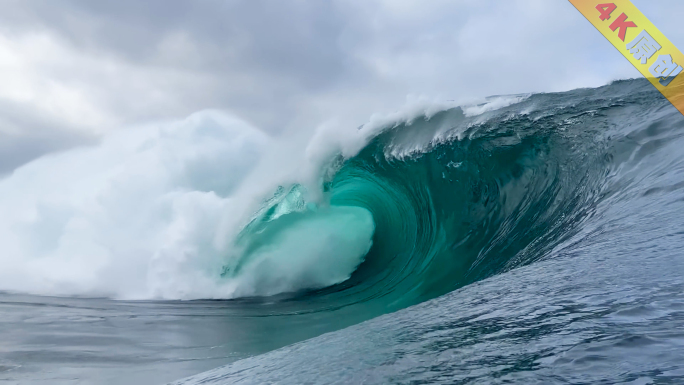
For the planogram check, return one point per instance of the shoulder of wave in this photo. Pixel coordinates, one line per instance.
(331, 138)
(424, 108)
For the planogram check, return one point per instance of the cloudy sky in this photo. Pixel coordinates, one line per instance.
(70, 71)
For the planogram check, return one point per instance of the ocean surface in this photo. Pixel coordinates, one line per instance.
(526, 239)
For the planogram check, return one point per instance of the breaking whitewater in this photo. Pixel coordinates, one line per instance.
(524, 239)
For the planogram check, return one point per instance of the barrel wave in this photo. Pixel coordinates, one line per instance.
(550, 229)
(454, 197)
(274, 242)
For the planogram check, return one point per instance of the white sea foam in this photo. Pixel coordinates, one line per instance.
(492, 104)
(152, 211)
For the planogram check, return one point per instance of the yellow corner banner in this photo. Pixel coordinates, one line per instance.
(640, 42)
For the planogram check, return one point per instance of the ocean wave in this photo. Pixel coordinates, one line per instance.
(409, 206)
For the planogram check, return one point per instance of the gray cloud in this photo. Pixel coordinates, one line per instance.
(25, 135)
(297, 38)
(86, 67)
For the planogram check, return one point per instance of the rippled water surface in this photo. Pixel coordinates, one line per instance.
(535, 243)
(600, 313)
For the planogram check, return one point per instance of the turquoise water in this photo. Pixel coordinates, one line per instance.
(535, 243)
(551, 231)
(441, 213)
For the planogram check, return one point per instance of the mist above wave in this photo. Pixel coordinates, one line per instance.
(153, 211)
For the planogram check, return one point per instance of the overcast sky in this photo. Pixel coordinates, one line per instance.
(71, 71)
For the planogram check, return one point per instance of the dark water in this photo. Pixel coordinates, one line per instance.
(553, 322)
(538, 243)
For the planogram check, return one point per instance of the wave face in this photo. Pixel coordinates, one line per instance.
(406, 208)
(555, 222)
(441, 201)
(361, 223)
